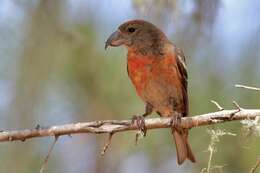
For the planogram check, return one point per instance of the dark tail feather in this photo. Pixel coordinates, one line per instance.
(182, 146)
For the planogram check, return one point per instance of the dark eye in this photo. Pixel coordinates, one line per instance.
(131, 29)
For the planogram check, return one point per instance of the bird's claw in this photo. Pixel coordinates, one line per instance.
(176, 122)
(140, 122)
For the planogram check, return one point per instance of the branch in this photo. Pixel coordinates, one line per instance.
(48, 155)
(253, 170)
(113, 126)
(247, 87)
(216, 104)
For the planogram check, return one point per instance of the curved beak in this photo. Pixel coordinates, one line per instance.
(115, 39)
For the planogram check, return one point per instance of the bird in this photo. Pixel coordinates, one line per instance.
(158, 71)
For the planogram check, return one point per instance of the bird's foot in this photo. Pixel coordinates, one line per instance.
(140, 122)
(176, 122)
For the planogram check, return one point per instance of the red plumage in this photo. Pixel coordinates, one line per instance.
(157, 69)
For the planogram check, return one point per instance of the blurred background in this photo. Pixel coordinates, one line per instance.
(54, 70)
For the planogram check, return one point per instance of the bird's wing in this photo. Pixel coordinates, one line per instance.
(181, 63)
(182, 69)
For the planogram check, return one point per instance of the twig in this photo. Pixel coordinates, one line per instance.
(48, 155)
(109, 126)
(255, 166)
(247, 87)
(236, 111)
(107, 144)
(237, 105)
(218, 106)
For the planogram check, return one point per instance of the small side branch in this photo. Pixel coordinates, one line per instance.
(217, 105)
(114, 126)
(107, 144)
(253, 170)
(48, 155)
(247, 87)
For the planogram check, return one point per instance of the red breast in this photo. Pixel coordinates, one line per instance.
(139, 70)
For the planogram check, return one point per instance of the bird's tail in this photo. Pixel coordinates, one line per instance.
(182, 146)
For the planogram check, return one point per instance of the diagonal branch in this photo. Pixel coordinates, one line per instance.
(113, 126)
(48, 155)
(247, 87)
(217, 105)
(253, 170)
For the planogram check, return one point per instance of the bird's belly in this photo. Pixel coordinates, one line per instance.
(162, 96)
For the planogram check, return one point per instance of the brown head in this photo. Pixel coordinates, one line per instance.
(138, 35)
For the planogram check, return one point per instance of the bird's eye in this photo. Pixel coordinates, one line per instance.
(131, 29)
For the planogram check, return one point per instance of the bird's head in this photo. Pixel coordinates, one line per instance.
(137, 35)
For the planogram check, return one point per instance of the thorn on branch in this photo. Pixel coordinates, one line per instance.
(48, 155)
(107, 144)
(238, 109)
(237, 105)
(37, 127)
(217, 105)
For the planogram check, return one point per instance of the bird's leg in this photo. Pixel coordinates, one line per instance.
(140, 121)
(176, 117)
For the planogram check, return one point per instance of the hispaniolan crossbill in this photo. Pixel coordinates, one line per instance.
(157, 68)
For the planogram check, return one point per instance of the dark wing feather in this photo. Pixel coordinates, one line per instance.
(182, 68)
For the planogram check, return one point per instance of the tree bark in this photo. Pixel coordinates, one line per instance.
(113, 126)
